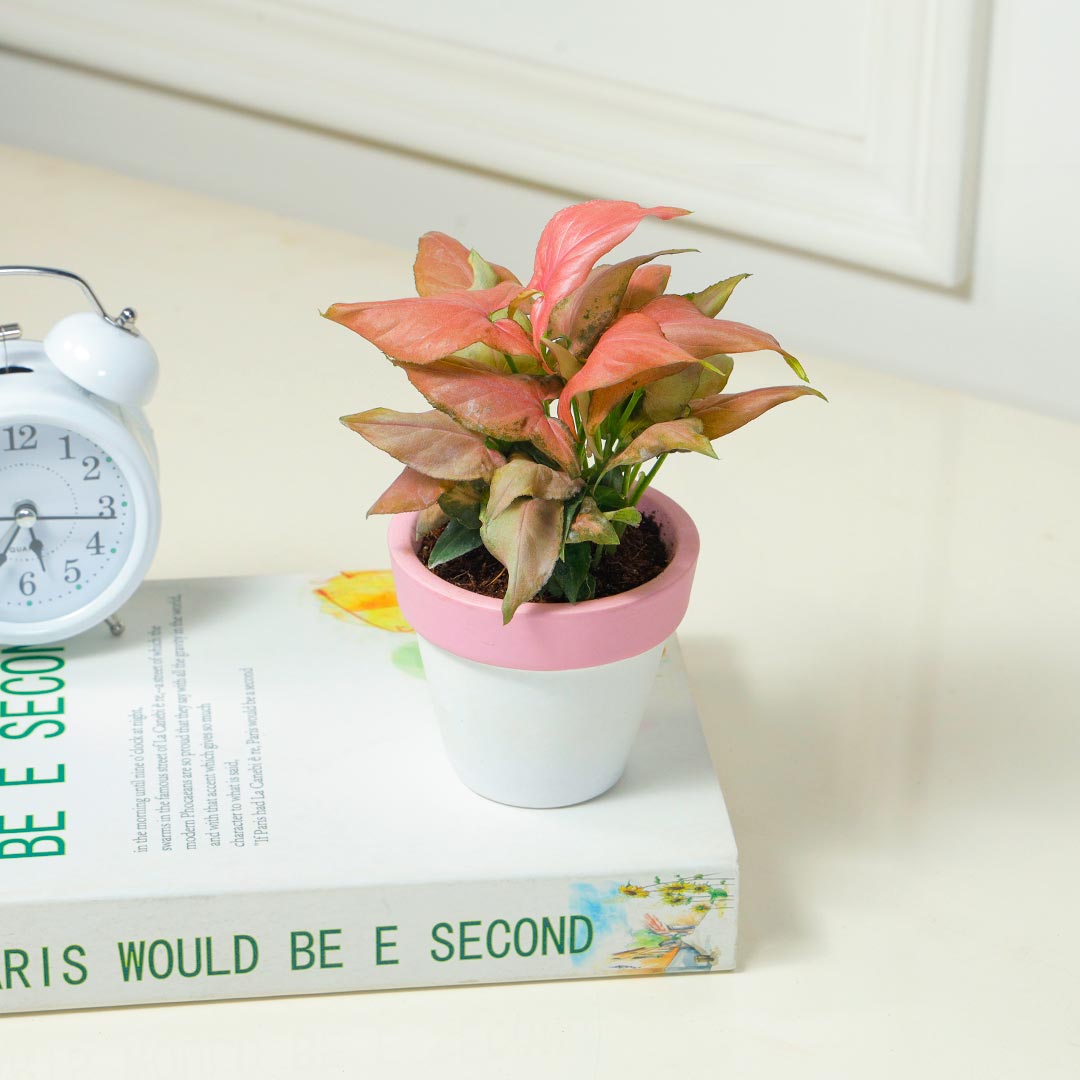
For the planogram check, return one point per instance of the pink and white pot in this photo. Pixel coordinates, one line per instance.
(543, 712)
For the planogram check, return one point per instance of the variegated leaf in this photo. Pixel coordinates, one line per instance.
(511, 408)
(669, 437)
(684, 325)
(723, 413)
(427, 521)
(410, 491)
(591, 526)
(526, 538)
(462, 502)
(431, 443)
(521, 476)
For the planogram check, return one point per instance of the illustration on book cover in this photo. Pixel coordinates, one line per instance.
(662, 926)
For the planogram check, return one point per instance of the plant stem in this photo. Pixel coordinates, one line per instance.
(640, 489)
(635, 397)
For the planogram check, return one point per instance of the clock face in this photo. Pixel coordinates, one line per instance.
(66, 521)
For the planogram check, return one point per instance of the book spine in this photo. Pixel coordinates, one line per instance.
(80, 954)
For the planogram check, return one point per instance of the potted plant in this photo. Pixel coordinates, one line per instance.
(540, 570)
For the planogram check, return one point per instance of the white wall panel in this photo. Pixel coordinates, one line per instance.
(1006, 332)
(846, 129)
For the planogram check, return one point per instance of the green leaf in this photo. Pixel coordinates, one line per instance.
(572, 573)
(630, 514)
(454, 540)
(715, 374)
(484, 275)
(668, 398)
(608, 498)
(795, 366)
(462, 503)
(711, 301)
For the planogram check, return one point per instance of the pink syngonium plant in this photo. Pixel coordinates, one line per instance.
(554, 403)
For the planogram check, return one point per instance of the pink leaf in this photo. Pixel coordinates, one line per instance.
(702, 336)
(507, 407)
(665, 438)
(594, 305)
(410, 491)
(443, 265)
(632, 353)
(571, 243)
(647, 284)
(420, 330)
(722, 414)
(526, 538)
(520, 476)
(430, 443)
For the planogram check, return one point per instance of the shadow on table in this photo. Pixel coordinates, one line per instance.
(797, 791)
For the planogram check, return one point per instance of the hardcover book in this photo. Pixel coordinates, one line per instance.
(245, 795)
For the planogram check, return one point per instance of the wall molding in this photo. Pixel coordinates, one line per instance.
(898, 198)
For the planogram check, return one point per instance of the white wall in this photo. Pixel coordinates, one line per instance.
(1004, 331)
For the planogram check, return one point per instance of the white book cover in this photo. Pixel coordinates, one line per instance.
(245, 795)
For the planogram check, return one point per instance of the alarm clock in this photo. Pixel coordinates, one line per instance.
(80, 509)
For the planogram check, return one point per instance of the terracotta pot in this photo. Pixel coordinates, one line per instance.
(543, 711)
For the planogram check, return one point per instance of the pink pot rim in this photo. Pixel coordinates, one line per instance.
(549, 637)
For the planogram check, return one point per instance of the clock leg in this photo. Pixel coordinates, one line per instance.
(116, 627)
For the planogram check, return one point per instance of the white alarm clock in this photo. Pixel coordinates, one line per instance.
(80, 510)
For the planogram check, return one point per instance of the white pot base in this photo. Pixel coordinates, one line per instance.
(538, 739)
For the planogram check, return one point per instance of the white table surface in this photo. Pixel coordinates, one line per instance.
(883, 641)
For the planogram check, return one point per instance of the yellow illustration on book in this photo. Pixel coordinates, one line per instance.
(367, 595)
(663, 926)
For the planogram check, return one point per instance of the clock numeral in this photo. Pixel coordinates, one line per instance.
(108, 505)
(94, 544)
(21, 438)
(93, 468)
(72, 573)
(27, 585)
(68, 455)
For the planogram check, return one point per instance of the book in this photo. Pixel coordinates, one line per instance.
(245, 795)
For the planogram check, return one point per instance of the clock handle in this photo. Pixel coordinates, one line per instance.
(124, 320)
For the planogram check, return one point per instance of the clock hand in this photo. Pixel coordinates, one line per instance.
(36, 546)
(66, 517)
(10, 540)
